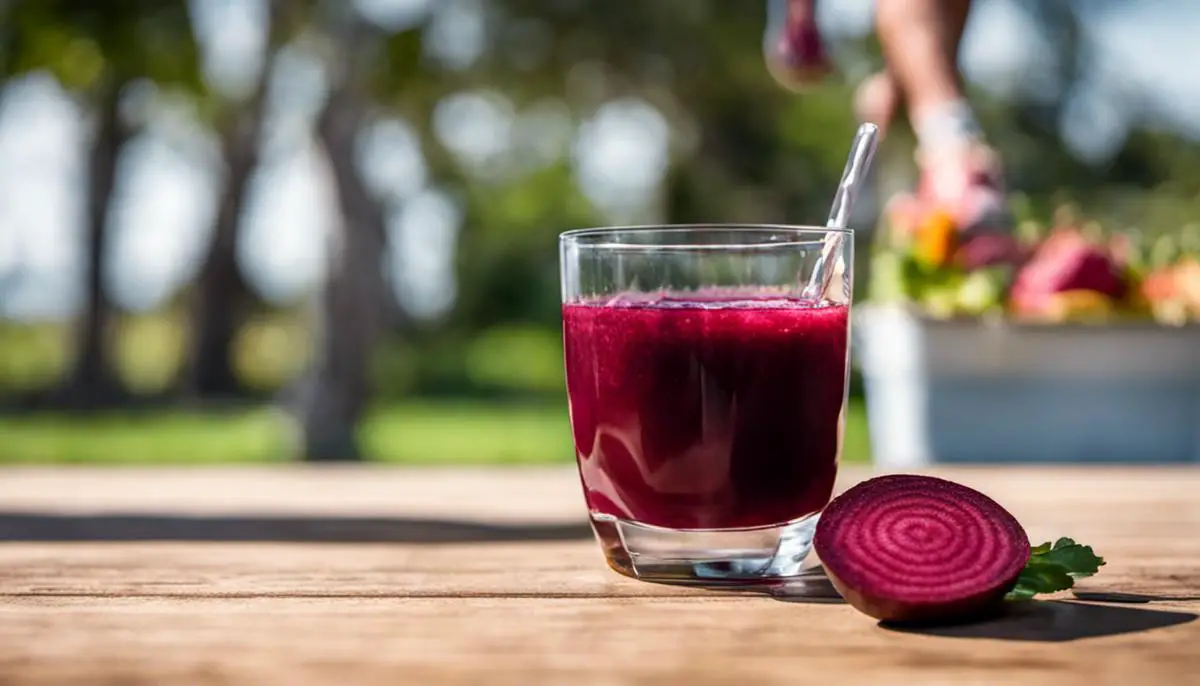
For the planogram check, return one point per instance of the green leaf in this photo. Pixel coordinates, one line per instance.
(1053, 568)
(1164, 251)
(939, 301)
(981, 291)
(1038, 577)
(1079, 560)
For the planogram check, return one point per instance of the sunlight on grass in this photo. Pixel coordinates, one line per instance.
(168, 438)
(466, 434)
(410, 433)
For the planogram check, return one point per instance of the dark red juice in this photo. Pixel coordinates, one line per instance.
(706, 413)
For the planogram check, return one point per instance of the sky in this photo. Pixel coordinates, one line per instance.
(167, 179)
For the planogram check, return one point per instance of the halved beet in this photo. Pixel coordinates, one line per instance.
(906, 548)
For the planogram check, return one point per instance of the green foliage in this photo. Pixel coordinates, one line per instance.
(272, 349)
(82, 42)
(425, 433)
(150, 352)
(742, 150)
(817, 127)
(1055, 568)
(942, 292)
(32, 356)
(508, 253)
(1079, 560)
(1040, 578)
(519, 358)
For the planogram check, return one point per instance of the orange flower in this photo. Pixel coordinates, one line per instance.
(936, 239)
(1174, 291)
(904, 213)
(1161, 285)
(1187, 280)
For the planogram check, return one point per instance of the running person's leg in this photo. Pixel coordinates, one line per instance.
(920, 40)
(930, 69)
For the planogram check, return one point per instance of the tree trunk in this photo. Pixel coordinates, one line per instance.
(91, 380)
(352, 304)
(222, 294)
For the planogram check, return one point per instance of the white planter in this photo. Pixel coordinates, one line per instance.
(966, 391)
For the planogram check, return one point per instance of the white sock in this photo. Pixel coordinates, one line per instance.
(946, 125)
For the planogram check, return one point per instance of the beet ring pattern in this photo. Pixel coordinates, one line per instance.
(920, 540)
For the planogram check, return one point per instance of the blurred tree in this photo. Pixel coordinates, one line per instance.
(96, 50)
(353, 299)
(221, 295)
(740, 147)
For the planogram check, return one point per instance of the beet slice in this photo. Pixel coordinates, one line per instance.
(907, 548)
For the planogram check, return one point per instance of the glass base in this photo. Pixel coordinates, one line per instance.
(726, 557)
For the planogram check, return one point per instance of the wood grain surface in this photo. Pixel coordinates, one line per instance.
(299, 576)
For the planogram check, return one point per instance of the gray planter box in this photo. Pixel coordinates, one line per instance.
(968, 391)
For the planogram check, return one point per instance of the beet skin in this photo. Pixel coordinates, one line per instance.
(905, 548)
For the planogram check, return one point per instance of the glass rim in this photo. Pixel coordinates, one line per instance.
(801, 234)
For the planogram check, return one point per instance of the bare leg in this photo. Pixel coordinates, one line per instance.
(920, 40)
(927, 56)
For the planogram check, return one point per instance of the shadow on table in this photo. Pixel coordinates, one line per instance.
(1057, 621)
(813, 586)
(41, 527)
(1136, 598)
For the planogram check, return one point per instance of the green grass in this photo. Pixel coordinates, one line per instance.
(411, 433)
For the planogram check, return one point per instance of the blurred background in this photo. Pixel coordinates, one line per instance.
(263, 230)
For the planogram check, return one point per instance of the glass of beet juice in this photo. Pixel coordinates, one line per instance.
(706, 394)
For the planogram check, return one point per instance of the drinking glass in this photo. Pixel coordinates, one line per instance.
(707, 393)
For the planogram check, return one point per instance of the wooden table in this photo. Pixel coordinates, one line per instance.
(370, 576)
